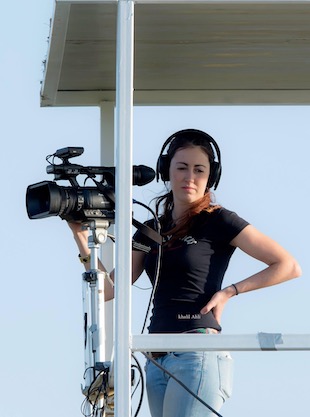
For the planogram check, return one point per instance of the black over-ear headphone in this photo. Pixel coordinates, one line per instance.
(163, 162)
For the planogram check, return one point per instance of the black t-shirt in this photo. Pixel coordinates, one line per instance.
(191, 271)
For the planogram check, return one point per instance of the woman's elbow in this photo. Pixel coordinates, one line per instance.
(296, 270)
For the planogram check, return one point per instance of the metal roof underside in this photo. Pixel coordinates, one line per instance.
(194, 53)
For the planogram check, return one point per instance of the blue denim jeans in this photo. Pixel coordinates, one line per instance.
(207, 374)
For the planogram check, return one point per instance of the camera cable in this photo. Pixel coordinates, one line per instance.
(158, 263)
(181, 383)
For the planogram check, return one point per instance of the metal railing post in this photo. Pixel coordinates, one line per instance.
(123, 230)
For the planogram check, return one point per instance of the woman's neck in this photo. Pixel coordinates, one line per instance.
(178, 212)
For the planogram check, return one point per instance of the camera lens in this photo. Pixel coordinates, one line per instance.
(43, 200)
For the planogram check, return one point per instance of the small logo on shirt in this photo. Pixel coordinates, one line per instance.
(189, 240)
(189, 316)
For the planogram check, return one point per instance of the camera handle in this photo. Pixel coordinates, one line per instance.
(94, 318)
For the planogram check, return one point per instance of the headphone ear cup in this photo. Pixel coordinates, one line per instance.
(215, 174)
(163, 165)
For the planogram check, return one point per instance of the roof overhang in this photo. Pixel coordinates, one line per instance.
(186, 53)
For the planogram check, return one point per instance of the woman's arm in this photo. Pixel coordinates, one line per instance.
(81, 239)
(281, 267)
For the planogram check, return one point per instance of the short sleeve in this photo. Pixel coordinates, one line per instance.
(229, 224)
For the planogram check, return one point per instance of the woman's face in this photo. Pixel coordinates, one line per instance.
(189, 173)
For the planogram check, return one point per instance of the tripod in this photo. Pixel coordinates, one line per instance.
(99, 397)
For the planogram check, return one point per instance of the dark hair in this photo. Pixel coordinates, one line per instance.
(183, 141)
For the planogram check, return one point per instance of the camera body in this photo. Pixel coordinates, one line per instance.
(77, 203)
(46, 198)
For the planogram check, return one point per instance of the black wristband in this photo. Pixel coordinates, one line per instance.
(236, 289)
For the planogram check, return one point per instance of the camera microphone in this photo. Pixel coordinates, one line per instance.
(142, 175)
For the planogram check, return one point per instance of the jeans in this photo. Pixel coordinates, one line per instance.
(207, 374)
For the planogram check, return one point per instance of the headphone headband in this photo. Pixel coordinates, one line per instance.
(163, 162)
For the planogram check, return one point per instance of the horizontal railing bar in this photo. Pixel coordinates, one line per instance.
(247, 342)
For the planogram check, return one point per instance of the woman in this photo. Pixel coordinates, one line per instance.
(199, 239)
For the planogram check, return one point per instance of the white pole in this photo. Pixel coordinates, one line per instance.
(107, 250)
(124, 129)
(107, 109)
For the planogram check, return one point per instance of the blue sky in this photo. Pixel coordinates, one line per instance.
(265, 153)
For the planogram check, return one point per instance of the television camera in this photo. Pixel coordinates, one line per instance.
(76, 202)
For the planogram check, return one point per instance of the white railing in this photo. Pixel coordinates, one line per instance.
(219, 342)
